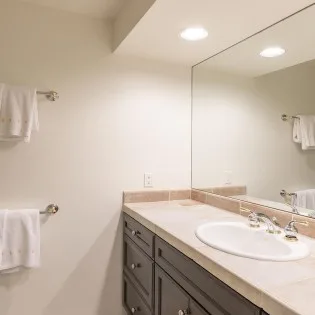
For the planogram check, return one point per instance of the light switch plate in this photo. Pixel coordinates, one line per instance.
(148, 180)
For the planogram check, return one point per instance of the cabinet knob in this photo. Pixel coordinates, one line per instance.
(134, 266)
(134, 233)
(133, 310)
(183, 312)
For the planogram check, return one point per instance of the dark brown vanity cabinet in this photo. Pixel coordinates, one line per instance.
(160, 280)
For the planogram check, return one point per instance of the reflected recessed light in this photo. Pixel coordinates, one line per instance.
(272, 52)
(194, 33)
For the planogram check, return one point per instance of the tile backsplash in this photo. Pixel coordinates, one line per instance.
(156, 195)
(218, 201)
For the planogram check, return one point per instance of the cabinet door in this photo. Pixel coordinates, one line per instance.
(170, 299)
(196, 309)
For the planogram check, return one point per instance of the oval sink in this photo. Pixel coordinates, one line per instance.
(239, 239)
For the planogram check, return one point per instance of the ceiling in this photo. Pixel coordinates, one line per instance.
(155, 36)
(296, 35)
(150, 28)
(102, 9)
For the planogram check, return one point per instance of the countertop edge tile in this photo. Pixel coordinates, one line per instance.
(273, 306)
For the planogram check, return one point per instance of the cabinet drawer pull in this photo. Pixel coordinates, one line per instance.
(134, 266)
(134, 309)
(183, 312)
(134, 232)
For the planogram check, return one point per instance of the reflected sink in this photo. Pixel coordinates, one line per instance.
(239, 239)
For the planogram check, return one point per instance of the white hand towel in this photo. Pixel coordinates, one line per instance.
(18, 113)
(306, 199)
(19, 239)
(304, 131)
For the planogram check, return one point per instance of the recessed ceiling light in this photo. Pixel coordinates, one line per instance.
(272, 52)
(194, 33)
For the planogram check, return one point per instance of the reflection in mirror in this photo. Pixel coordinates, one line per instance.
(242, 146)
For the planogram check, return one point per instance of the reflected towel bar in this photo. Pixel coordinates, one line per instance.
(283, 194)
(50, 95)
(286, 117)
(50, 209)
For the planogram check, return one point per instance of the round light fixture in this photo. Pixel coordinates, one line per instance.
(272, 52)
(194, 33)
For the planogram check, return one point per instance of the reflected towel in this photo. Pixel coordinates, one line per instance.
(304, 131)
(19, 239)
(305, 199)
(18, 113)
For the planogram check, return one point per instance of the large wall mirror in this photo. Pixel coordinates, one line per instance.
(240, 137)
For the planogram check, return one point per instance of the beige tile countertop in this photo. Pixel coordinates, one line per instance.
(280, 288)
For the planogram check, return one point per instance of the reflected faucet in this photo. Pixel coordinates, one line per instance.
(293, 197)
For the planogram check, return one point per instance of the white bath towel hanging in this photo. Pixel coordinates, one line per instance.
(304, 131)
(18, 113)
(19, 239)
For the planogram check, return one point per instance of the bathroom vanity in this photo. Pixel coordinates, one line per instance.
(160, 280)
(168, 269)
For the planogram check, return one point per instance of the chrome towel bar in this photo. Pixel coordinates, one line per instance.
(286, 117)
(283, 194)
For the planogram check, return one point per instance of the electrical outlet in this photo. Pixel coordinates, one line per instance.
(227, 177)
(148, 180)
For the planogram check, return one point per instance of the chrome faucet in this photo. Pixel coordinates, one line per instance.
(291, 231)
(255, 219)
(272, 224)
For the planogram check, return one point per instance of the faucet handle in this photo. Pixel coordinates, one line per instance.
(291, 231)
(252, 218)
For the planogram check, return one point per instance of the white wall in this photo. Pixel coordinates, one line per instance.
(237, 128)
(116, 118)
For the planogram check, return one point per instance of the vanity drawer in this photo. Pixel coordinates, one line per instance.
(133, 302)
(214, 295)
(140, 268)
(143, 237)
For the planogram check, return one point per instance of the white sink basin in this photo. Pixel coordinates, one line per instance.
(239, 239)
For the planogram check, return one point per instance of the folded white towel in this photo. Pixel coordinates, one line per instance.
(304, 131)
(305, 199)
(19, 239)
(18, 113)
